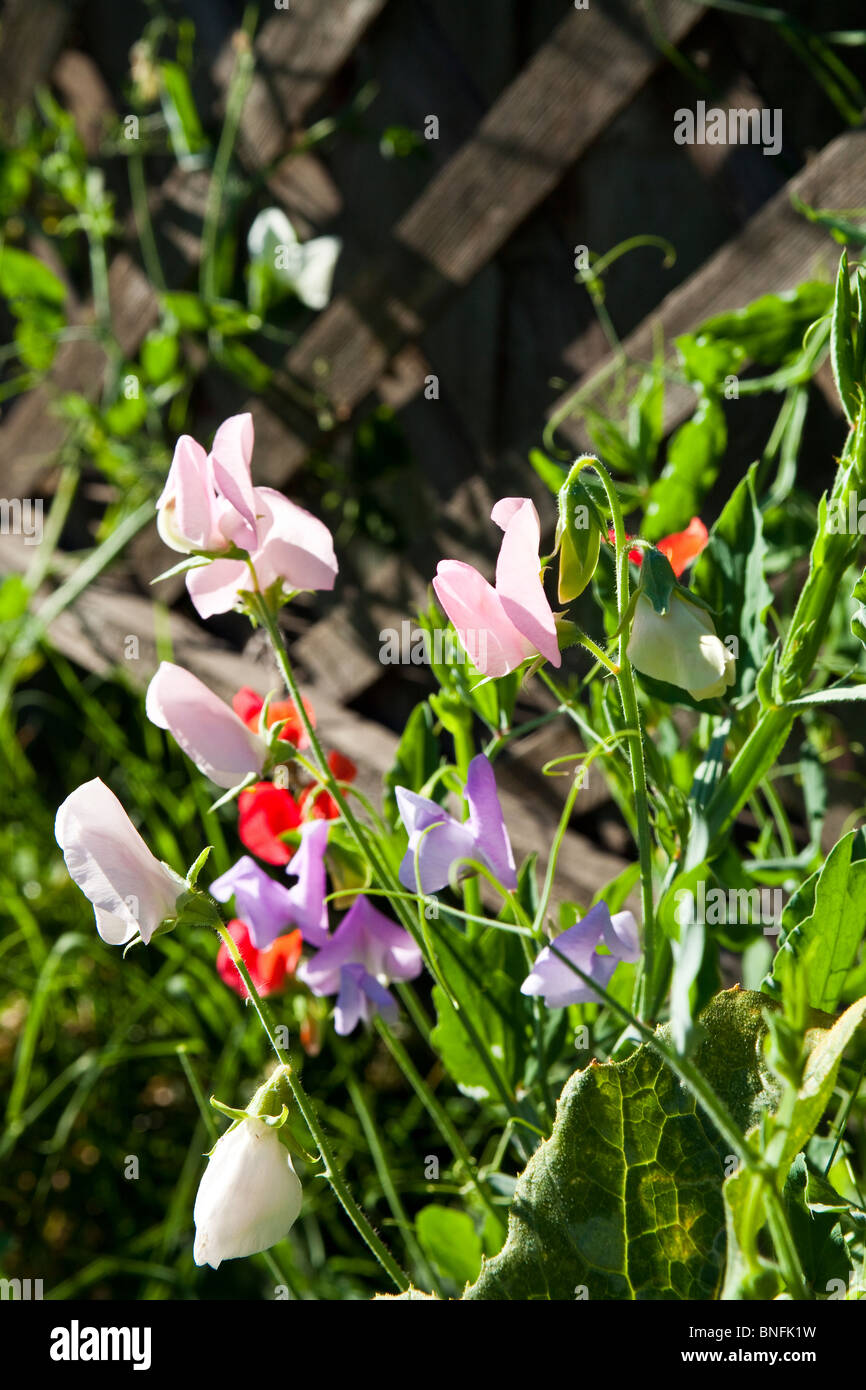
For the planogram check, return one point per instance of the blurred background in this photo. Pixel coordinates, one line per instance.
(521, 241)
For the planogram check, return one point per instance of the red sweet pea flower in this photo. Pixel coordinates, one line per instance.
(247, 705)
(315, 801)
(264, 812)
(268, 969)
(684, 546)
(681, 547)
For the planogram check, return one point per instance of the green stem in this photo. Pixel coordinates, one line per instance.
(239, 86)
(143, 221)
(631, 714)
(392, 1197)
(311, 1119)
(439, 1116)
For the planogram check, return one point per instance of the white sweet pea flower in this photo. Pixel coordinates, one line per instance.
(131, 891)
(250, 1195)
(306, 268)
(680, 647)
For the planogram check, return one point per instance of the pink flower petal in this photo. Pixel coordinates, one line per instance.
(486, 633)
(216, 588)
(294, 546)
(518, 577)
(208, 731)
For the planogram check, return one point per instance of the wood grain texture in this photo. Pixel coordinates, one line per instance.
(775, 251)
(593, 65)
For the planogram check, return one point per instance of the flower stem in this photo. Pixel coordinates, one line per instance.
(311, 1119)
(439, 1116)
(631, 714)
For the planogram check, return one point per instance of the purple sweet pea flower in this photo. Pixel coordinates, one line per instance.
(560, 986)
(268, 907)
(361, 996)
(364, 954)
(483, 836)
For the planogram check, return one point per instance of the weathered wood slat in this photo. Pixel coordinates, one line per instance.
(298, 51)
(577, 82)
(32, 34)
(774, 252)
(306, 43)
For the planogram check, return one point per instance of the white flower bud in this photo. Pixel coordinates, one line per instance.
(680, 647)
(250, 1195)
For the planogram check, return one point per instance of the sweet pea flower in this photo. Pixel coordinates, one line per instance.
(560, 986)
(248, 704)
(208, 501)
(499, 628)
(265, 813)
(364, 954)
(268, 907)
(440, 839)
(680, 547)
(293, 550)
(207, 729)
(209, 505)
(132, 892)
(306, 268)
(250, 1195)
(680, 647)
(268, 969)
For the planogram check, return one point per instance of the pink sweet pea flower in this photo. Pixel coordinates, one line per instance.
(440, 840)
(561, 986)
(499, 628)
(293, 549)
(207, 729)
(207, 502)
(131, 891)
(364, 954)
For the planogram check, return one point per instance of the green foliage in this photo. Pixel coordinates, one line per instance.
(450, 1241)
(823, 925)
(624, 1200)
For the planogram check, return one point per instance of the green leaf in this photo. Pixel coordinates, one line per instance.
(823, 925)
(835, 694)
(841, 341)
(771, 328)
(817, 1232)
(159, 354)
(707, 362)
(189, 311)
(729, 576)
(624, 1201)
(126, 416)
(819, 1079)
(486, 977)
(23, 276)
(694, 453)
(417, 757)
(243, 363)
(188, 140)
(450, 1241)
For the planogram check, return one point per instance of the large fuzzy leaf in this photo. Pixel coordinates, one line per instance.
(624, 1200)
